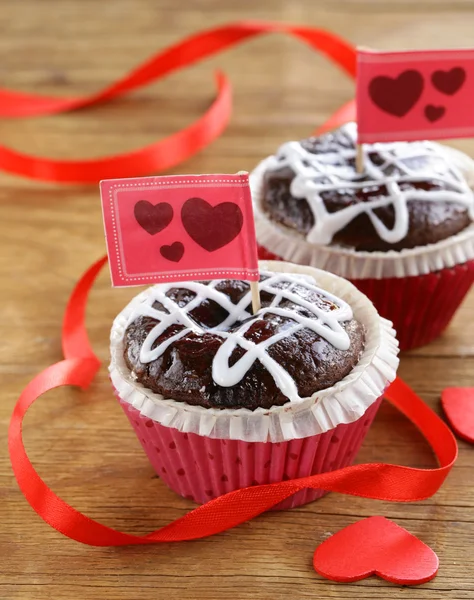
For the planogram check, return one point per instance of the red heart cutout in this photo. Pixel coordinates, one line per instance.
(212, 227)
(173, 252)
(449, 82)
(458, 404)
(396, 96)
(434, 113)
(153, 218)
(376, 546)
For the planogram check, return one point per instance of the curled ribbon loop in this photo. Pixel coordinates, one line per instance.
(183, 54)
(378, 480)
(158, 156)
(173, 150)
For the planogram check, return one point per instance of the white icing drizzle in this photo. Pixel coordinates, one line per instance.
(331, 171)
(327, 324)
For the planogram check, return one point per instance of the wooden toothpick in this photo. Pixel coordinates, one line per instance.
(360, 158)
(256, 305)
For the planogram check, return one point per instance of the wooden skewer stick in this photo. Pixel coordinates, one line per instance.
(360, 158)
(256, 305)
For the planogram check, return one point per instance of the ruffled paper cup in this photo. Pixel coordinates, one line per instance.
(203, 453)
(419, 289)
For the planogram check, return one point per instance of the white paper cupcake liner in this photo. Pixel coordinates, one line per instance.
(344, 402)
(345, 262)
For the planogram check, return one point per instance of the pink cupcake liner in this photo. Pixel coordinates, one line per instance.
(201, 468)
(420, 307)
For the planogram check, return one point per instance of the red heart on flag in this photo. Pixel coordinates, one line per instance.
(458, 404)
(376, 546)
(153, 218)
(449, 82)
(212, 227)
(173, 252)
(397, 96)
(434, 113)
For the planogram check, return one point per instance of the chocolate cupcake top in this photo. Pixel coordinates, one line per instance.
(198, 342)
(411, 193)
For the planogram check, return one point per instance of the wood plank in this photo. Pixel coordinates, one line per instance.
(80, 442)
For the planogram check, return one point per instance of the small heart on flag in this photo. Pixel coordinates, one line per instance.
(153, 218)
(376, 546)
(212, 227)
(396, 96)
(173, 252)
(434, 113)
(449, 82)
(458, 404)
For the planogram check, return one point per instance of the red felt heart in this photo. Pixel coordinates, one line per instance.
(376, 546)
(397, 96)
(458, 404)
(434, 113)
(173, 252)
(449, 82)
(153, 218)
(212, 227)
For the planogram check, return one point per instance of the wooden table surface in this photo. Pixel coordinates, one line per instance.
(80, 442)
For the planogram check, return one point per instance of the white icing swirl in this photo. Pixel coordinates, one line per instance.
(401, 162)
(326, 323)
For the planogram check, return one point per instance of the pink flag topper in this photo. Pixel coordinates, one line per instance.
(177, 228)
(414, 95)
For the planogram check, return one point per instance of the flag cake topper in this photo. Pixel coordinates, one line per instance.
(414, 95)
(179, 228)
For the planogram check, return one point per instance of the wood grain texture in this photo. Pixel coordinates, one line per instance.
(81, 443)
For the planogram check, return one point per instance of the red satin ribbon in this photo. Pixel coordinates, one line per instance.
(175, 149)
(380, 481)
(156, 157)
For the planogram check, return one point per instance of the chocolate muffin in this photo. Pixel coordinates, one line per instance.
(411, 193)
(198, 347)
(198, 342)
(402, 231)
